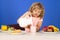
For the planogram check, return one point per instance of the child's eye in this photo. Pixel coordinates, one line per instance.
(35, 10)
(38, 11)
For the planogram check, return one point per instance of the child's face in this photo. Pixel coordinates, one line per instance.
(36, 12)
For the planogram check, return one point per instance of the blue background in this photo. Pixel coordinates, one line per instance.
(11, 10)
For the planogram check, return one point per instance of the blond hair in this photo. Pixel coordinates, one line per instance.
(38, 6)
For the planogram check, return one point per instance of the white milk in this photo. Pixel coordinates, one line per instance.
(33, 29)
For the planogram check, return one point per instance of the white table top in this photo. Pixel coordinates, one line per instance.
(29, 36)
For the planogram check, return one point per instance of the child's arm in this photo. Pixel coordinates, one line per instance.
(24, 15)
(39, 25)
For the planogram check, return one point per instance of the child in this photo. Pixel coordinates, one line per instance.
(36, 11)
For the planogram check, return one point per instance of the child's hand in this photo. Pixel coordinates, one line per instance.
(27, 29)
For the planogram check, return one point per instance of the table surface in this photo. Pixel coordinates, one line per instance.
(30, 36)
